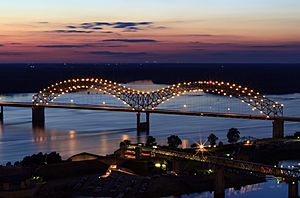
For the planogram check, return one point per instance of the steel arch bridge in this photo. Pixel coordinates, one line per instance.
(143, 100)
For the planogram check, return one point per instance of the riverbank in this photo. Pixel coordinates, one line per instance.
(123, 174)
(123, 184)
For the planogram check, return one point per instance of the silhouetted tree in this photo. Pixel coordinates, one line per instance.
(233, 135)
(17, 163)
(26, 161)
(221, 143)
(53, 157)
(40, 159)
(212, 139)
(8, 164)
(174, 141)
(194, 145)
(127, 142)
(150, 141)
(124, 144)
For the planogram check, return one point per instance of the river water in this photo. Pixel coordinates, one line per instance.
(73, 131)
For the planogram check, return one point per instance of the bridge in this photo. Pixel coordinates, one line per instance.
(147, 102)
(290, 175)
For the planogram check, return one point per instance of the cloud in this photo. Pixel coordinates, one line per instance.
(12, 53)
(65, 46)
(1, 45)
(131, 40)
(201, 35)
(71, 31)
(283, 46)
(157, 27)
(15, 43)
(106, 32)
(255, 53)
(95, 24)
(265, 46)
(71, 27)
(97, 28)
(126, 26)
(115, 46)
(130, 24)
(87, 45)
(109, 53)
(132, 29)
(244, 46)
(42, 22)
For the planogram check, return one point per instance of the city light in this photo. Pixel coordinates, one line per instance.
(200, 148)
(157, 165)
(72, 134)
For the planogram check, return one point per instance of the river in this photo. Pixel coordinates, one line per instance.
(70, 131)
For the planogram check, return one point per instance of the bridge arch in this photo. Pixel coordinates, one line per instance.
(103, 86)
(143, 100)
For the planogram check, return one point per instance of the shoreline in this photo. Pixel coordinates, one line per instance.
(86, 174)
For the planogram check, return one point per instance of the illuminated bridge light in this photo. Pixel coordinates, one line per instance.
(136, 99)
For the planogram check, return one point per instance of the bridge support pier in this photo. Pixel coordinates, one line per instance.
(219, 182)
(1, 115)
(138, 122)
(278, 128)
(175, 165)
(293, 189)
(142, 126)
(38, 117)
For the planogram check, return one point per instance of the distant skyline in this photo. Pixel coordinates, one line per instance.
(138, 31)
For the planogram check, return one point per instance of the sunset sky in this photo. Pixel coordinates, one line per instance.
(184, 31)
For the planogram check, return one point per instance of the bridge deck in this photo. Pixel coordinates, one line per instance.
(235, 164)
(157, 111)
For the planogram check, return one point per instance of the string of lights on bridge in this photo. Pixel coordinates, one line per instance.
(146, 100)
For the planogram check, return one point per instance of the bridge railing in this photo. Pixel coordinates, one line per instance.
(235, 164)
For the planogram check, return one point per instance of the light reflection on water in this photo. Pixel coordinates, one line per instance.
(70, 131)
(261, 190)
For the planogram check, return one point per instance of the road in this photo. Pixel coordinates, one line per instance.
(155, 111)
